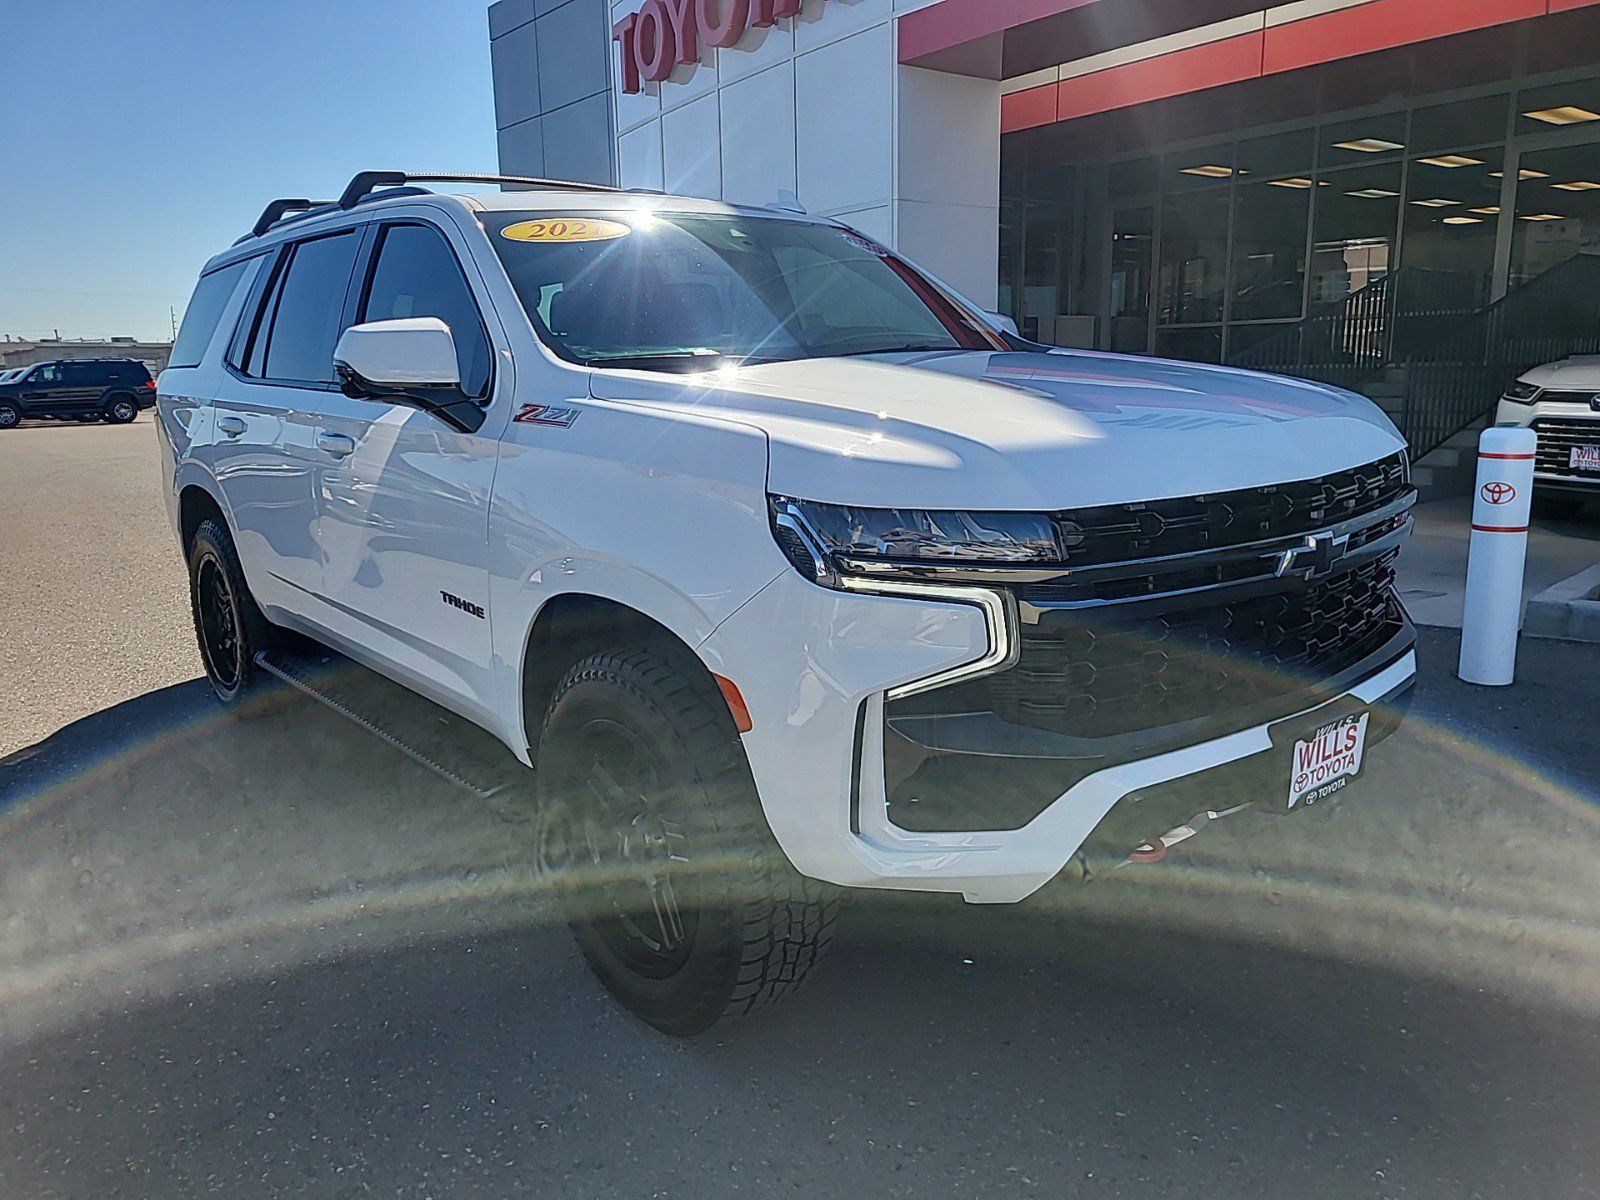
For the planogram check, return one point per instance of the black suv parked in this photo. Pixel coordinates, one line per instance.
(87, 389)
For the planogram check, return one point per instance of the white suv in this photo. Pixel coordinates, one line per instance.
(1560, 401)
(781, 566)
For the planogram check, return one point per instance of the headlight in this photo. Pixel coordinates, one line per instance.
(1522, 393)
(821, 539)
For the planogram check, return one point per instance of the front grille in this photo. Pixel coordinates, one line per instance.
(1557, 437)
(1104, 672)
(1116, 533)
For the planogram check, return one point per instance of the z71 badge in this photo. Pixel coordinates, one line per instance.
(544, 414)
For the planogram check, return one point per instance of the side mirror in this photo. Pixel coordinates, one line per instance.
(411, 361)
(409, 352)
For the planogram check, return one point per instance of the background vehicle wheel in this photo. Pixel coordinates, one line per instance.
(10, 415)
(120, 410)
(228, 624)
(679, 897)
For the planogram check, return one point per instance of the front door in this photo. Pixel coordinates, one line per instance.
(403, 498)
(1132, 268)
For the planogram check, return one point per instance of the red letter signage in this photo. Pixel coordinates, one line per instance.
(666, 33)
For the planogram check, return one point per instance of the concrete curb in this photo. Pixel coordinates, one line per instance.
(1569, 611)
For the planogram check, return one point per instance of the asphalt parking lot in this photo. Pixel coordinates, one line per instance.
(271, 956)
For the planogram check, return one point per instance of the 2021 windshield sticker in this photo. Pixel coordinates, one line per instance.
(565, 229)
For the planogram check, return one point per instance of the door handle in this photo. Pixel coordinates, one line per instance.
(336, 444)
(232, 426)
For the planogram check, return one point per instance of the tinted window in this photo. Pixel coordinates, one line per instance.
(211, 296)
(307, 308)
(416, 275)
(84, 375)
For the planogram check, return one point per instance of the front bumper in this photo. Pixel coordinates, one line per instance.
(817, 695)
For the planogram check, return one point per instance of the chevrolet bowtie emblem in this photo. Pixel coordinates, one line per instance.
(1316, 558)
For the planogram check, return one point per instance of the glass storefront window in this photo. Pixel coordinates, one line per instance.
(1358, 213)
(1132, 255)
(1269, 250)
(1464, 123)
(1558, 209)
(1208, 169)
(1559, 106)
(1363, 140)
(1141, 177)
(1451, 221)
(1283, 157)
(1194, 257)
(1203, 344)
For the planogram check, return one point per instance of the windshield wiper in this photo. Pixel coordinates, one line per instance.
(669, 360)
(902, 348)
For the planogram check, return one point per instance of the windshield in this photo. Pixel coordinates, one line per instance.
(671, 291)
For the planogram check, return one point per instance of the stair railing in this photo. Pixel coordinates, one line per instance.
(1343, 342)
(1459, 376)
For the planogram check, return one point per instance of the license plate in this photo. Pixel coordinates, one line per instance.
(1586, 458)
(1328, 760)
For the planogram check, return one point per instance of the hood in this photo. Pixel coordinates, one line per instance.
(1580, 373)
(981, 430)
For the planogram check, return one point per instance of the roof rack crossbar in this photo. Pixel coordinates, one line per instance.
(365, 183)
(277, 210)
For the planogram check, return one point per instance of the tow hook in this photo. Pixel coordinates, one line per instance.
(1156, 850)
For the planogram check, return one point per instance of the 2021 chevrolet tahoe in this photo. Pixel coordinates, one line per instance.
(781, 567)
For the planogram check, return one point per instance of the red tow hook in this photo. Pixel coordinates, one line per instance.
(1148, 852)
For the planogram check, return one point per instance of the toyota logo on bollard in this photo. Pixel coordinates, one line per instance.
(1497, 492)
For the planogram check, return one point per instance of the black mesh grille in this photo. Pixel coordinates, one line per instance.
(1556, 440)
(1104, 672)
(1115, 533)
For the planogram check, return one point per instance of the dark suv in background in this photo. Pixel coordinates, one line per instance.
(89, 389)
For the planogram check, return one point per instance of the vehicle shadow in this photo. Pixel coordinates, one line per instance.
(271, 954)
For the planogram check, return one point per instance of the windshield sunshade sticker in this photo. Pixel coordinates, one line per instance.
(566, 229)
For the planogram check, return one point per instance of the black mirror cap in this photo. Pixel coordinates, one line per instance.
(448, 404)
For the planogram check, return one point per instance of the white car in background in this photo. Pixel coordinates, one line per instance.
(773, 565)
(1561, 402)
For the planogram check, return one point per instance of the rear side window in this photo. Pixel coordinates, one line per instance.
(416, 274)
(211, 296)
(83, 374)
(305, 324)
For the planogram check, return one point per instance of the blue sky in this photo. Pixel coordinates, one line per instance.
(139, 137)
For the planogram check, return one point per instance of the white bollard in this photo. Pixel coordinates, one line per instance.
(1497, 556)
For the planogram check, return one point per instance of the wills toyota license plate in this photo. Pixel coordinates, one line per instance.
(1586, 458)
(1328, 760)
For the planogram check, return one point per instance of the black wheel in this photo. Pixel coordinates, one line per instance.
(120, 410)
(10, 415)
(229, 626)
(679, 898)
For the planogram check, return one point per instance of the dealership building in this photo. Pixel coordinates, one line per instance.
(1395, 195)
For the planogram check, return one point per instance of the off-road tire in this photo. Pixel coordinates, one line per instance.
(754, 927)
(121, 409)
(212, 550)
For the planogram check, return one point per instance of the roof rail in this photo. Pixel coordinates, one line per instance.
(364, 184)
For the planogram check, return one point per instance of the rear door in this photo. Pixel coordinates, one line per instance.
(86, 384)
(279, 371)
(404, 498)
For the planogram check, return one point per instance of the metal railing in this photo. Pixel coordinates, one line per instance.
(1459, 376)
(1344, 342)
